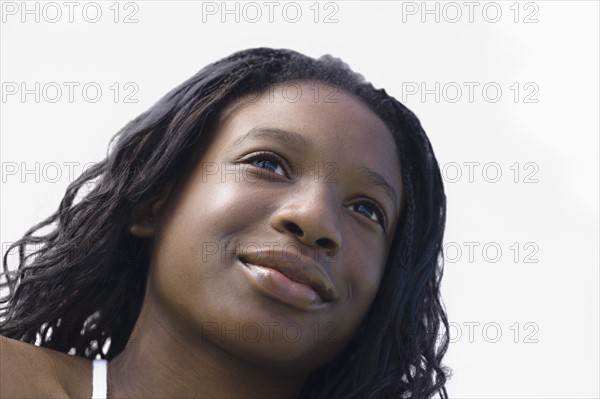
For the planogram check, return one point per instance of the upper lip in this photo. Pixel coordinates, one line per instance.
(300, 270)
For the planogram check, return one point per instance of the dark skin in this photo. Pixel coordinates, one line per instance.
(209, 327)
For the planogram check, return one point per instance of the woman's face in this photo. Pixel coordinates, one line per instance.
(274, 247)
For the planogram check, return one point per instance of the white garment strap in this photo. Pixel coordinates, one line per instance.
(99, 378)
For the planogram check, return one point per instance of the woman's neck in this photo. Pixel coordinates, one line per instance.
(160, 361)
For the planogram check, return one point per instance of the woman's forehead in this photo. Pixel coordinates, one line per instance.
(302, 107)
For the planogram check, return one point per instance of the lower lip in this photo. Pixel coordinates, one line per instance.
(280, 287)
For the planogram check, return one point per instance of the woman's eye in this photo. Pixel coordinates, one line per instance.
(268, 161)
(372, 212)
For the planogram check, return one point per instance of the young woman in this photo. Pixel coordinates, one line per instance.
(271, 228)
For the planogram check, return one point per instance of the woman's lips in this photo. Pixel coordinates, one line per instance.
(278, 286)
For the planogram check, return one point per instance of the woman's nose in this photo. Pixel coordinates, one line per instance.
(312, 216)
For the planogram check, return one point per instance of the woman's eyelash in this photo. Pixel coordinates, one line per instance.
(377, 211)
(257, 158)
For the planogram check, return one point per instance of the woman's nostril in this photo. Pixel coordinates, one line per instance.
(322, 242)
(326, 243)
(294, 228)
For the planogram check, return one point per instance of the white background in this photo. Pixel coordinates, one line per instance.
(543, 303)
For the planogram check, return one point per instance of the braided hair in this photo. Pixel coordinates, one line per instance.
(80, 280)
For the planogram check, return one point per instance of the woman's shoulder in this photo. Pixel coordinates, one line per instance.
(30, 371)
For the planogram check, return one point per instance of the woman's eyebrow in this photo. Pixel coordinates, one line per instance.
(285, 136)
(378, 180)
(298, 140)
